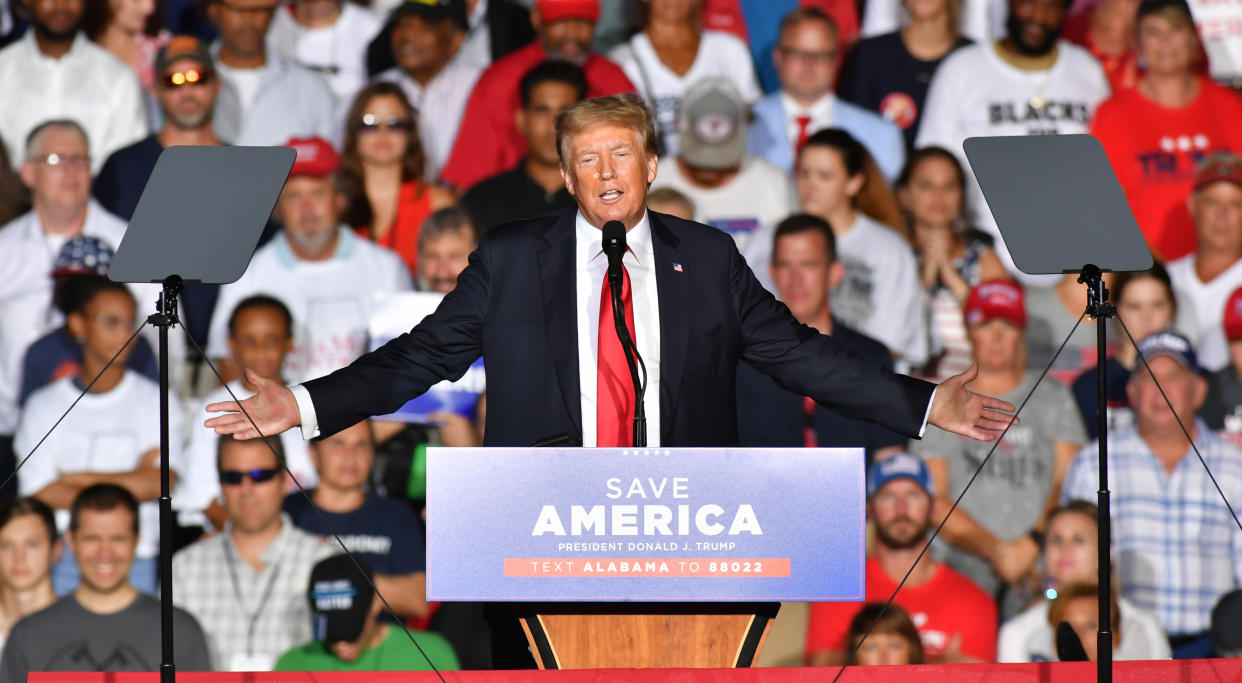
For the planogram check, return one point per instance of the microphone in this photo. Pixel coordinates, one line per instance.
(614, 249)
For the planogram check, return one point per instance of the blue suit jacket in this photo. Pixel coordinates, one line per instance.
(769, 134)
(515, 305)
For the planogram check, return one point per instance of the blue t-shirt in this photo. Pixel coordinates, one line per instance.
(384, 532)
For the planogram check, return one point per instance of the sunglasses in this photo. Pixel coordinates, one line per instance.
(371, 122)
(236, 477)
(177, 79)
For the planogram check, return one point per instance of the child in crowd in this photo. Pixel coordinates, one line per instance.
(893, 640)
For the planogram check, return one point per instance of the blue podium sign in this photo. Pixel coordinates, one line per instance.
(658, 524)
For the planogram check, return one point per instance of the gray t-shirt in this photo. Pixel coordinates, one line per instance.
(68, 637)
(1048, 323)
(1011, 491)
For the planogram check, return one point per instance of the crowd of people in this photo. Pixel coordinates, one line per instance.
(824, 137)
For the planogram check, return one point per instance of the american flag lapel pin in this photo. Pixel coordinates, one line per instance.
(677, 267)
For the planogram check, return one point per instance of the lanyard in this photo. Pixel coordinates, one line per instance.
(253, 617)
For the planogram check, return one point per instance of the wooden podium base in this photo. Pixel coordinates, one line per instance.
(645, 635)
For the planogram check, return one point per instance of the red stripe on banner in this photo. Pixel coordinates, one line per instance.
(699, 567)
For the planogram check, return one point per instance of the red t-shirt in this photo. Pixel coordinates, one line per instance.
(488, 141)
(1154, 151)
(947, 605)
(1122, 70)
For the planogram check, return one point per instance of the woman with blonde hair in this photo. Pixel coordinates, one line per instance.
(382, 172)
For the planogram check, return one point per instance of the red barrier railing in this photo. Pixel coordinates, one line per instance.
(1187, 671)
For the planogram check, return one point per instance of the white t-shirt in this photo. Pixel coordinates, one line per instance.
(337, 52)
(976, 93)
(1206, 310)
(747, 207)
(88, 84)
(1029, 637)
(105, 432)
(720, 55)
(200, 483)
(330, 300)
(246, 81)
(881, 295)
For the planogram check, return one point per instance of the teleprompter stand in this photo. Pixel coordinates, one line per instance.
(199, 219)
(1061, 210)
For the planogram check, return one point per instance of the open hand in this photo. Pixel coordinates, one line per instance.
(273, 409)
(961, 411)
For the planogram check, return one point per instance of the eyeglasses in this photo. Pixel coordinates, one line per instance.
(371, 122)
(78, 161)
(177, 79)
(258, 476)
(807, 55)
(113, 322)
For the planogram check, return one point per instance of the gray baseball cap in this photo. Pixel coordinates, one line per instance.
(712, 124)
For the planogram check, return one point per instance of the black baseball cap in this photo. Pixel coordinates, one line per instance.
(340, 597)
(435, 10)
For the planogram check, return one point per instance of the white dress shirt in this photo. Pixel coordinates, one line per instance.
(87, 84)
(591, 266)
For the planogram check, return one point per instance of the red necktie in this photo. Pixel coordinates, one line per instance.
(614, 389)
(804, 132)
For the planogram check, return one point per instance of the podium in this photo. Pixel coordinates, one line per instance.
(640, 558)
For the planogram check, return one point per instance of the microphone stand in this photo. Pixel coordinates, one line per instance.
(632, 358)
(1099, 308)
(163, 319)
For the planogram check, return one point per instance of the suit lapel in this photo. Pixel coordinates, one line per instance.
(674, 325)
(560, 316)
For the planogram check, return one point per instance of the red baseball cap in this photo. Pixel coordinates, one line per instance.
(1233, 316)
(316, 158)
(1225, 166)
(996, 299)
(559, 10)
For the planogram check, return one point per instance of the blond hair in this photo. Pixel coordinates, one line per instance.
(626, 110)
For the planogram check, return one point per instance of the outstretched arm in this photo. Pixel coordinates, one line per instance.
(273, 409)
(956, 409)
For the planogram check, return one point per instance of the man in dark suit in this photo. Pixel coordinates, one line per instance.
(804, 269)
(530, 302)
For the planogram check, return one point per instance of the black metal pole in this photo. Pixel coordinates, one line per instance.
(167, 311)
(1101, 310)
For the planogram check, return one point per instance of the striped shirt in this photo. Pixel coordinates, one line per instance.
(1176, 547)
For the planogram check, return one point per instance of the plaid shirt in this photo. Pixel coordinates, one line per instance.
(245, 613)
(1175, 545)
